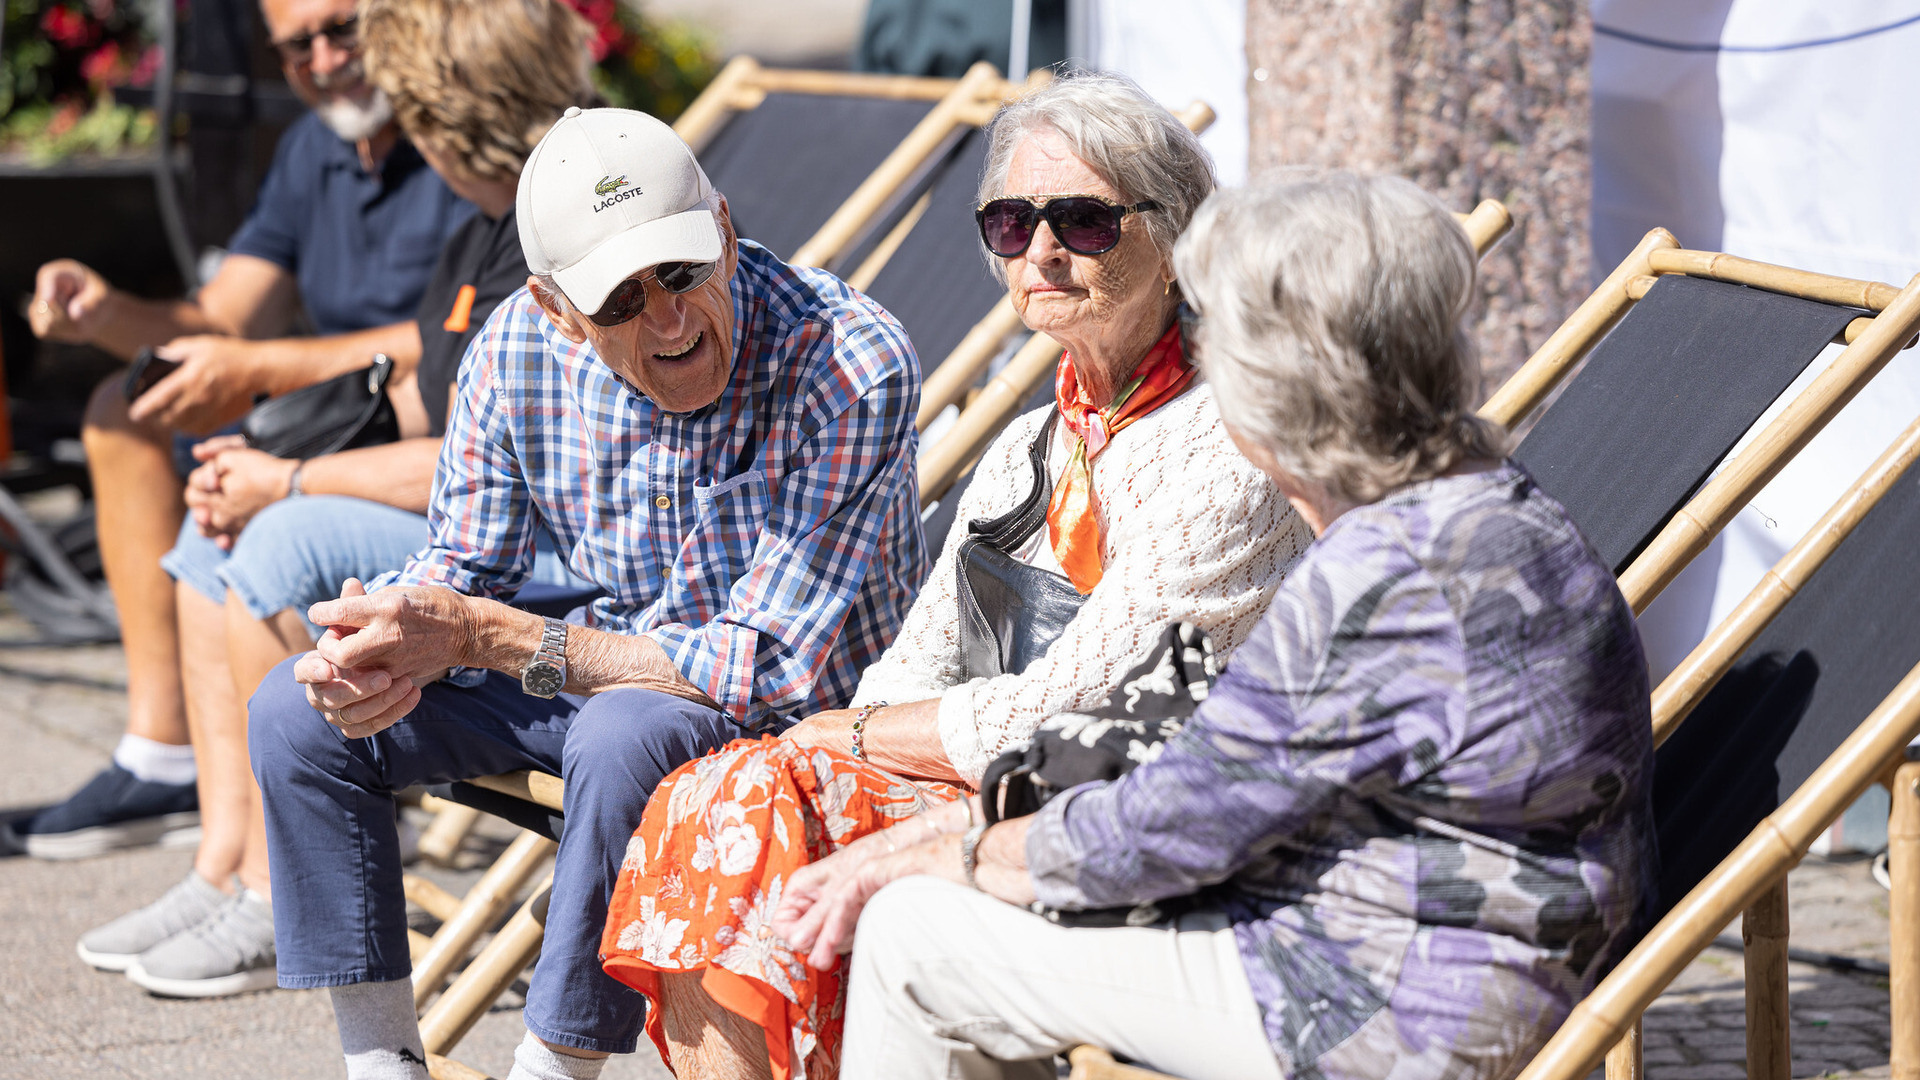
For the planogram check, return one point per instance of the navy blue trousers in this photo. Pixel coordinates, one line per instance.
(338, 911)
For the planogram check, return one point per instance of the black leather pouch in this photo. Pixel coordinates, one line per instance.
(342, 413)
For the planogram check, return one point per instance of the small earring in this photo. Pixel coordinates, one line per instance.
(1168, 290)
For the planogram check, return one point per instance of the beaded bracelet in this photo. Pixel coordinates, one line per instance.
(860, 727)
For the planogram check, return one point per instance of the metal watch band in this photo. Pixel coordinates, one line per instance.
(970, 852)
(553, 643)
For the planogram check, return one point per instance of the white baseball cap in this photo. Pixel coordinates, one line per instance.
(606, 194)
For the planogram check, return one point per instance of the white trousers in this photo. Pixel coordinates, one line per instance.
(949, 982)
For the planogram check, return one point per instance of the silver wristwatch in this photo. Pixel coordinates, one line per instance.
(546, 674)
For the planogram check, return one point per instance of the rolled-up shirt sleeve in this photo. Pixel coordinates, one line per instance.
(1351, 685)
(820, 539)
(480, 514)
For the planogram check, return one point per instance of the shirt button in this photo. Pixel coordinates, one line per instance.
(662, 501)
(666, 571)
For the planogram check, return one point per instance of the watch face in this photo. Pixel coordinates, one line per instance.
(542, 679)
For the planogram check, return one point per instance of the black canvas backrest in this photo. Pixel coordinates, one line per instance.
(787, 165)
(1664, 397)
(937, 283)
(1830, 656)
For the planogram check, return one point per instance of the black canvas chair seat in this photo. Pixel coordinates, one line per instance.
(1663, 398)
(787, 165)
(1830, 656)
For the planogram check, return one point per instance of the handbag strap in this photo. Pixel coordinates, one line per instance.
(1013, 528)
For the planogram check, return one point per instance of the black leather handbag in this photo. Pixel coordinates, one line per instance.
(1011, 612)
(342, 413)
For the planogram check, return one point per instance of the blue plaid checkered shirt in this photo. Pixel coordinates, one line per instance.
(769, 542)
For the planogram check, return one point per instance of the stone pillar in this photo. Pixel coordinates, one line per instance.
(1471, 99)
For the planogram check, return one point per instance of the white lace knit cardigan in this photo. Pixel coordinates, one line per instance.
(1191, 532)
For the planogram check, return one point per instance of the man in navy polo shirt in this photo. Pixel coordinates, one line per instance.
(346, 230)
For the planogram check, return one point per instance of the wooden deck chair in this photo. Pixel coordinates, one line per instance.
(1767, 757)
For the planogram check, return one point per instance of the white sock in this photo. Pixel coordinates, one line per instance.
(378, 1033)
(533, 1061)
(155, 762)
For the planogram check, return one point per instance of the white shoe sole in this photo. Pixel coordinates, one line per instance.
(168, 830)
(222, 986)
(100, 961)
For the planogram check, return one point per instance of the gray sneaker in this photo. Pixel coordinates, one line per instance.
(231, 952)
(117, 944)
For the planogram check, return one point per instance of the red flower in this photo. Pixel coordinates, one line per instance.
(69, 29)
(146, 67)
(102, 66)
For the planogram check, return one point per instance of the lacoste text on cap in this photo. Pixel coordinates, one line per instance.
(606, 194)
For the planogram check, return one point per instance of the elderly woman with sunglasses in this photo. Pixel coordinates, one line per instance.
(1411, 820)
(1152, 518)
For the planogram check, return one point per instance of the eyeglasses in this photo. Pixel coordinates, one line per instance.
(629, 298)
(1084, 224)
(343, 35)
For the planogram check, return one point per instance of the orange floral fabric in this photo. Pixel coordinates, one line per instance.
(1073, 518)
(706, 869)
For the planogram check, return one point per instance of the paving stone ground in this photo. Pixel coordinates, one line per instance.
(62, 708)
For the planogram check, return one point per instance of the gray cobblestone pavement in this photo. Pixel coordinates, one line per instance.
(62, 709)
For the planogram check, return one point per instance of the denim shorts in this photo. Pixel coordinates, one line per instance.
(297, 552)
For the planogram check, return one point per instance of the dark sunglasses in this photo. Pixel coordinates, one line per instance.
(629, 298)
(1084, 224)
(343, 35)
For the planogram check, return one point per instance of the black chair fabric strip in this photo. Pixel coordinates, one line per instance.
(787, 165)
(1832, 654)
(1664, 397)
(530, 816)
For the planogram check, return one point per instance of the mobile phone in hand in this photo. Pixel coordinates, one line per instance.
(147, 370)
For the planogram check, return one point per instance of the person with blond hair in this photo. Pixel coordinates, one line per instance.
(474, 83)
(341, 239)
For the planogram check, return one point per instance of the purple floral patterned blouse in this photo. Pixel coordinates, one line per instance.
(1420, 791)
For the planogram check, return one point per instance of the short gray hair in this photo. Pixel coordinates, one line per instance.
(1330, 307)
(1128, 139)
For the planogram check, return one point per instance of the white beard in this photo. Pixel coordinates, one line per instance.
(353, 121)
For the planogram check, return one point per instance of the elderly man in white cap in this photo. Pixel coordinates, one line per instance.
(725, 445)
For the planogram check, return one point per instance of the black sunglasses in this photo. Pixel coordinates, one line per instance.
(1084, 224)
(629, 298)
(343, 35)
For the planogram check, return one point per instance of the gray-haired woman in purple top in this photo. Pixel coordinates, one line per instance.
(1414, 811)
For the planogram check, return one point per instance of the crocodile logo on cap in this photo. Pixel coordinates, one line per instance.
(609, 184)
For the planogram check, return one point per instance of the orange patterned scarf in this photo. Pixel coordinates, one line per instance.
(1073, 522)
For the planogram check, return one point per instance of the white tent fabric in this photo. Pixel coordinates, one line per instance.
(1802, 156)
(1199, 53)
